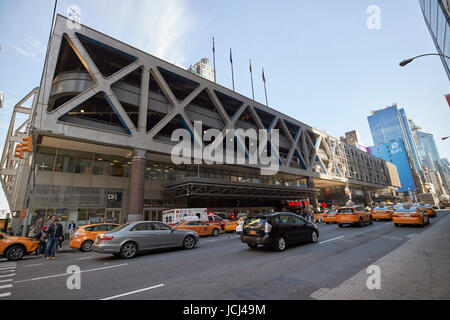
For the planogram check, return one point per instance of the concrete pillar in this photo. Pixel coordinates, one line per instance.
(367, 197)
(313, 196)
(136, 196)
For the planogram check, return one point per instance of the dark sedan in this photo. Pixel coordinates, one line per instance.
(278, 230)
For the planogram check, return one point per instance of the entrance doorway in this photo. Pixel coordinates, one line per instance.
(113, 215)
(153, 215)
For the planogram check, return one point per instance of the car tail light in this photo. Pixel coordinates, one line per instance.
(267, 228)
(103, 237)
(414, 215)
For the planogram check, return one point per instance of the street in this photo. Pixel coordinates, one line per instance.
(218, 268)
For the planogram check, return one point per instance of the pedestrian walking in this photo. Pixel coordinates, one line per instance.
(32, 231)
(54, 234)
(42, 241)
(72, 227)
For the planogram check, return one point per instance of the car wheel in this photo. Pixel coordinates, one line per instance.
(15, 252)
(397, 224)
(189, 242)
(215, 232)
(361, 222)
(340, 225)
(370, 221)
(280, 244)
(86, 245)
(314, 237)
(252, 245)
(129, 250)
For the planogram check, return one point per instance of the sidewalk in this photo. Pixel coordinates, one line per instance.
(419, 269)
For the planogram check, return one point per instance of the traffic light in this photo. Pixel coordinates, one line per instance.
(27, 144)
(19, 151)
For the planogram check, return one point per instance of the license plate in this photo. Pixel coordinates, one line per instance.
(252, 232)
(380, 212)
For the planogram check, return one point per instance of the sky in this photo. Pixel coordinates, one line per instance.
(323, 65)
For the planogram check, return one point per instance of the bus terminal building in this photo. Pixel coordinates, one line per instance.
(101, 123)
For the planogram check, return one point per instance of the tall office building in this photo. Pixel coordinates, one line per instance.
(391, 124)
(437, 18)
(203, 68)
(395, 152)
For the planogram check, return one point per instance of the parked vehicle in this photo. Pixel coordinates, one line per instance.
(84, 237)
(174, 216)
(410, 215)
(130, 239)
(444, 201)
(353, 216)
(201, 227)
(14, 248)
(329, 216)
(278, 230)
(382, 213)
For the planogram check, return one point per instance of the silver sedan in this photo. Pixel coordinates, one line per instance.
(127, 240)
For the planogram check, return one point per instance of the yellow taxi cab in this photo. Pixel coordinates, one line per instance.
(330, 216)
(201, 227)
(429, 211)
(14, 248)
(382, 213)
(230, 226)
(410, 215)
(354, 216)
(84, 237)
(318, 216)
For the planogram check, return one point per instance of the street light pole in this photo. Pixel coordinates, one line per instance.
(405, 62)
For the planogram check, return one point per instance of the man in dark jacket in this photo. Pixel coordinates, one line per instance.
(54, 235)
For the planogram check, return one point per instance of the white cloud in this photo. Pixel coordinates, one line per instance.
(30, 48)
(158, 27)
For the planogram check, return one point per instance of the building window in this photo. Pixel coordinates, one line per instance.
(65, 161)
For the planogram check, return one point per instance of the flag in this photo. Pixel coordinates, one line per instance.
(250, 65)
(231, 57)
(264, 78)
(447, 97)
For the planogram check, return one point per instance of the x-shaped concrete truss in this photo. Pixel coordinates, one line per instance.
(314, 151)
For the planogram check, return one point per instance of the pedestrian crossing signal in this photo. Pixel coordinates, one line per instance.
(27, 144)
(19, 151)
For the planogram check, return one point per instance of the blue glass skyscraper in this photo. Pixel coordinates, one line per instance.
(391, 124)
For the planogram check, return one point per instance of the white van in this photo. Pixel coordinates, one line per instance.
(176, 215)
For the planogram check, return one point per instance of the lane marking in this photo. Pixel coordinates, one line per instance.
(65, 274)
(6, 286)
(6, 269)
(33, 265)
(7, 294)
(331, 239)
(8, 275)
(84, 258)
(133, 292)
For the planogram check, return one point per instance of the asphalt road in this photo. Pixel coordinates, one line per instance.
(218, 268)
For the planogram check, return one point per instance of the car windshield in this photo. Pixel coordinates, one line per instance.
(255, 222)
(345, 210)
(118, 228)
(408, 209)
(379, 208)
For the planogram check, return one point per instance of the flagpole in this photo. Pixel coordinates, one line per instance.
(232, 71)
(251, 77)
(214, 60)
(265, 89)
